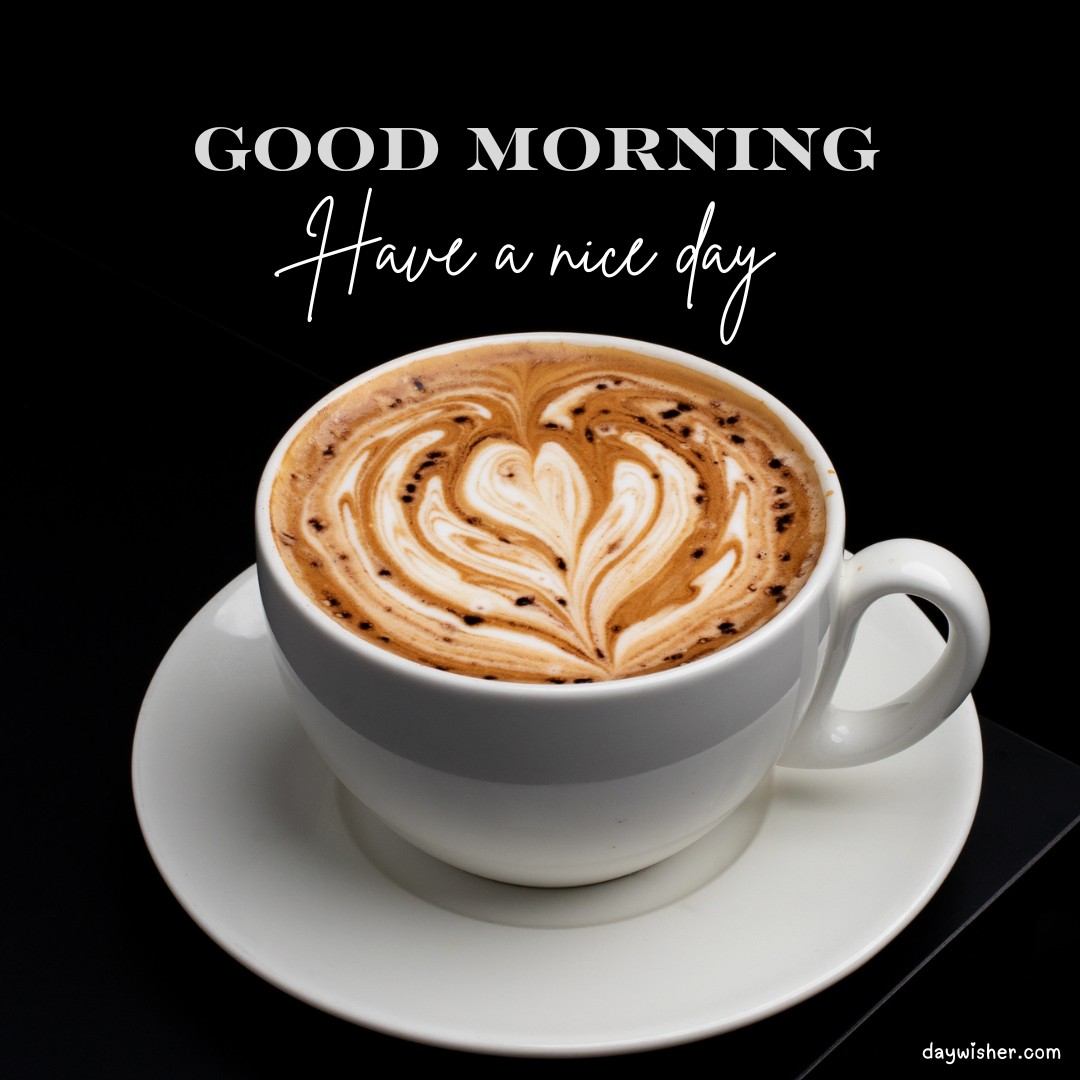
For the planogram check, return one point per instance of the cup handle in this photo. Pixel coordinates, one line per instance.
(829, 736)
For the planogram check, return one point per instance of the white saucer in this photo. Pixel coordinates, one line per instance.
(281, 868)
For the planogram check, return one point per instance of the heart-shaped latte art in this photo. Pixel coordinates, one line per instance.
(539, 519)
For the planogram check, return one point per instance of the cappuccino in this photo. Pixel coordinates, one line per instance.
(547, 512)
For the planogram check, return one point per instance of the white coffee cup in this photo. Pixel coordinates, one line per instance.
(566, 785)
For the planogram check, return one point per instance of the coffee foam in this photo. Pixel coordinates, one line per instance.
(548, 512)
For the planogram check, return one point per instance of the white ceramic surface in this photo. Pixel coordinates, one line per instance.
(576, 784)
(276, 862)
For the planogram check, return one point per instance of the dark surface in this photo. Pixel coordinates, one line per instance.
(156, 360)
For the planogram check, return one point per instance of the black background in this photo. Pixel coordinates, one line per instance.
(156, 360)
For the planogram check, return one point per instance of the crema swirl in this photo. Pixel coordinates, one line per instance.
(547, 512)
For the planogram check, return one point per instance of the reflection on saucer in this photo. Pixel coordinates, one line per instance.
(587, 905)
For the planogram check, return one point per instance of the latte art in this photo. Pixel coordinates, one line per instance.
(546, 512)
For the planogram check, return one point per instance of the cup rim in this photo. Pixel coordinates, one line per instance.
(270, 560)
